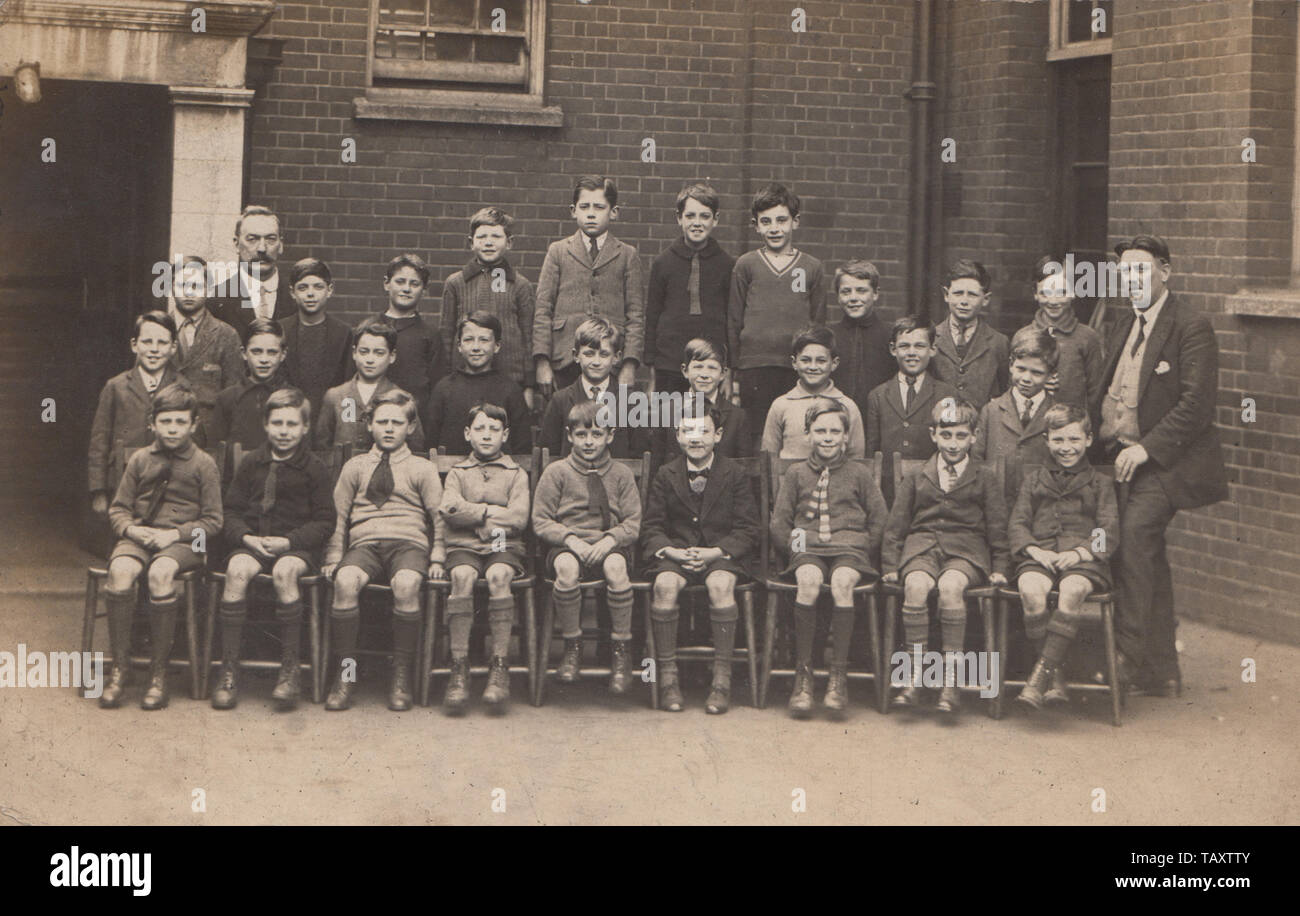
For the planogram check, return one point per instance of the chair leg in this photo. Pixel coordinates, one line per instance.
(192, 637)
(209, 634)
(654, 655)
(1112, 663)
(890, 605)
(544, 647)
(988, 611)
(327, 633)
(751, 650)
(88, 620)
(530, 642)
(313, 640)
(769, 639)
(424, 664)
(877, 658)
(1004, 647)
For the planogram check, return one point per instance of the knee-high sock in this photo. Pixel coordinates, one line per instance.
(916, 626)
(162, 621)
(568, 611)
(620, 614)
(1060, 633)
(406, 633)
(841, 635)
(121, 608)
(723, 623)
(290, 618)
(805, 627)
(663, 623)
(233, 614)
(501, 617)
(1036, 626)
(952, 620)
(460, 619)
(346, 625)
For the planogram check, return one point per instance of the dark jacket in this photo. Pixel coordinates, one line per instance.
(212, 363)
(1000, 434)
(724, 515)
(891, 429)
(1177, 394)
(736, 442)
(984, 373)
(669, 323)
(627, 443)
(303, 507)
(121, 422)
(1063, 517)
(237, 416)
(865, 360)
(458, 392)
(232, 311)
(314, 381)
(419, 364)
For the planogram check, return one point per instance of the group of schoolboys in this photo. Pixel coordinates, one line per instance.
(733, 334)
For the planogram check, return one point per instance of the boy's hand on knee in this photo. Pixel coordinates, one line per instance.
(579, 548)
(1065, 560)
(437, 571)
(599, 550)
(677, 555)
(257, 545)
(275, 545)
(328, 570)
(997, 579)
(890, 578)
(1041, 556)
(165, 538)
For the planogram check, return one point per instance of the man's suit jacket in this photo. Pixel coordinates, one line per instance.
(571, 289)
(338, 347)
(231, 310)
(984, 373)
(1177, 393)
(1000, 434)
(724, 516)
(214, 361)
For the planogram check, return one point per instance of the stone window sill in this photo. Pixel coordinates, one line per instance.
(459, 108)
(1264, 303)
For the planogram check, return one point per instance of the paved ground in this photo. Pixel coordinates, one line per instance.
(1223, 754)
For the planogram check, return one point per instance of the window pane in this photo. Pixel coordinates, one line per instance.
(1109, 7)
(451, 47)
(452, 12)
(402, 12)
(1080, 20)
(499, 50)
(409, 45)
(514, 10)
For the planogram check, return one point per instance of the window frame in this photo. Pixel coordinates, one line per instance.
(1059, 47)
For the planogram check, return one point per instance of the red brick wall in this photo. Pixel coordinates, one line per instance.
(1190, 81)
(725, 88)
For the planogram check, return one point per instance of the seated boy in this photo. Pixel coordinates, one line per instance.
(597, 347)
(947, 528)
(813, 355)
(237, 416)
(972, 356)
(1012, 424)
(701, 528)
(704, 371)
(485, 508)
(207, 352)
(829, 516)
(318, 347)
(862, 337)
(490, 283)
(421, 346)
(1063, 530)
(340, 419)
(166, 511)
(476, 381)
(588, 512)
(126, 403)
(898, 410)
(386, 502)
(279, 513)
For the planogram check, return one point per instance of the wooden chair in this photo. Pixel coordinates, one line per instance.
(1102, 603)
(640, 468)
(985, 595)
(191, 582)
(864, 595)
(311, 585)
(754, 468)
(524, 588)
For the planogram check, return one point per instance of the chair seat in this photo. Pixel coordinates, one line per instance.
(481, 584)
(780, 585)
(696, 588)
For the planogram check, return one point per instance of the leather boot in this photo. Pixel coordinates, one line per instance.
(457, 695)
(1059, 691)
(120, 609)
(801, 698)
(399, 688)
(226, 694)
(1039, 680)
(620, 667)
(670, 692)
(719, 700)
(571, 664)
(287, 688)
(340, 695)
(837, 690)
(163, 626)
(949, 701)
(497, 692)
(910, 696)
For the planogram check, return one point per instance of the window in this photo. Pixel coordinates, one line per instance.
(477, 61)
(1079, 28)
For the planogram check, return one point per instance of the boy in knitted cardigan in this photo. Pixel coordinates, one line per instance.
(588, 511)
(830, 516)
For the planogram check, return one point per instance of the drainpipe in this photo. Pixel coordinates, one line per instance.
(921, 94)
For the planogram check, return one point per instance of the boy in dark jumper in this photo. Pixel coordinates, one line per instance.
(318, 346)
(862, 337)
(704, 369)
(476, 381)
(419, 348)
(238, 416)
(597, 347)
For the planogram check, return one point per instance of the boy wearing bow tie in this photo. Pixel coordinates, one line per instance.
(701, 528)
(387, 506)
(947, 530)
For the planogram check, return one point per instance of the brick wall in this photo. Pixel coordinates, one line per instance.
(1190, 81)
(725, 88)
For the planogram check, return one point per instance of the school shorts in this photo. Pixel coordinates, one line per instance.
(696, 577)
(1095, 572)
(304, 555)
(185, 556)
(828, 563)
(460, 556)
(586, 573)
(934, 563)
(380, 560)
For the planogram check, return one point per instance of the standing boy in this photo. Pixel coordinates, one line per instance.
(1012, 424)
(476, 381)
(597, 348)
(704, 368)
(775, 290)
(237, 417)
(207, 353)
(589, 274)
(814, 357)
(701, 528)
(1077, 379)
(690, 282)
(169, 497)
(419, 345)
(972, 356)
(340, 420)
(318, 347)
(490, 283)
(862, 337)
(386, 502)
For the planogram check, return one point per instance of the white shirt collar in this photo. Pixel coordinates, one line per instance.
(181, 319)
(1152, 312)
(600, 240)
(1019, 400)
(591, 389)
(959, 467)
(903, 378)
(145, 377)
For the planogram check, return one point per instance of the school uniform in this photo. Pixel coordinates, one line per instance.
(457, 393)
(1079, 362)
(237, 414)
(161, 489)
(419, 364)
(626, 443)
(676, 313)
(717, 511)
(331, 429)
(978, 368)
(931, 526)
(574, 287)
(563, 506)
(297, 504)
(843, 530)
(865, 360)
(470, 290)
(234, 312)
(764, 311)
(1003, 433)
(317, 357)
(211, 362)
(1060, 510)
(737, 441)
(784, 434)
(121, 422)
(485, 509)
(891, 427)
